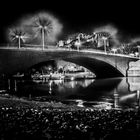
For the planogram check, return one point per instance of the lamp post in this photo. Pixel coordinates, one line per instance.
(114, 50)
(138, 50)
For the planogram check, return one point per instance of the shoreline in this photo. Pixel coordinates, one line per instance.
(23, 119)
(5, 98)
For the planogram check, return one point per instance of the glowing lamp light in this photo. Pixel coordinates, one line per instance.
(114, 50)
(72, 78)
(45, 27)
(17, 36)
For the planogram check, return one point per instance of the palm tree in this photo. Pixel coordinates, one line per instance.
(42, 25)
(111, 36)
(105, 39)
(17, 34)
(104, 36)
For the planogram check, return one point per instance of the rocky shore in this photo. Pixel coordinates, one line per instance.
(23, 119)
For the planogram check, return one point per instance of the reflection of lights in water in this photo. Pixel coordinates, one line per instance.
(116, 100)
(50, 86)
(9, 84)
(58, 82)
(30, 96)
(80, 103)
(15, 85)
(72, 83)
(72, 78)
(138, 94)
(138, 98)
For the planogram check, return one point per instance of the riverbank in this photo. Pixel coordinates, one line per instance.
(23, 119)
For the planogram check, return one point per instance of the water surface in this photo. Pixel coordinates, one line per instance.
(99, 93)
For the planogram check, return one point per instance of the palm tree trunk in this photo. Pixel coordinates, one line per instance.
(43, 38)
(19, 42)
(105, 45)
(79, 43)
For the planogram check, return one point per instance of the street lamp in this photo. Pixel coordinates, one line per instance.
(114, 50)
(138, 49)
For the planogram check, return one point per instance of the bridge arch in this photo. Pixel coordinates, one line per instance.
(103, 65)
(100, 68)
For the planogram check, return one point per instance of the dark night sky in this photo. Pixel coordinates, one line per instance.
(76, 15)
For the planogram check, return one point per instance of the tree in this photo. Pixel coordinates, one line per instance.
(109, 34)
(126, 48)
(18, 35)
(42, 25)
(105, 42)
(103, 39)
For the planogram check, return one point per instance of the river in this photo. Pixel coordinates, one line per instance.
(99, 93)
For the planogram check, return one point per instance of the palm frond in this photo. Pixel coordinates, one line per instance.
(17, 33)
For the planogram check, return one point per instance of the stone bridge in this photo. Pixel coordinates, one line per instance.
(103, 65)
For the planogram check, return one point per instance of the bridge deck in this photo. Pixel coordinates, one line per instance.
(69, 50)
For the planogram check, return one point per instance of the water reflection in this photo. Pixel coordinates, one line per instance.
(74, 83)
(134, 83)
(138, 98)
(100, 93)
